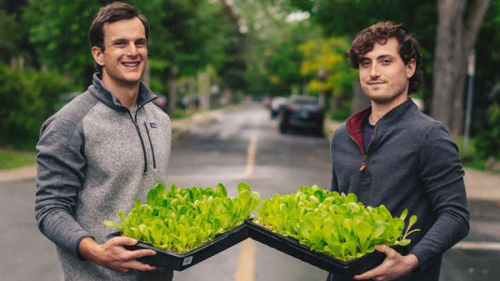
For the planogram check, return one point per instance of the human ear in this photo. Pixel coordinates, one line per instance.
(411, 67)
(98, 55)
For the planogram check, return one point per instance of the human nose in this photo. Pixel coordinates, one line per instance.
(374, 70)
(132, 50)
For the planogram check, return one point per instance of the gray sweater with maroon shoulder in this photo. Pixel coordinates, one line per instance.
(410, 163)
(94, 158)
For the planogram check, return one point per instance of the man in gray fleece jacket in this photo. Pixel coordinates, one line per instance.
(102, 151)
(392, 154)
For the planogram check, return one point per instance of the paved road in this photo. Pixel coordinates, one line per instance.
(243, 146)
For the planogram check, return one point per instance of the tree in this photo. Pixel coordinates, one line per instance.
(233, 68)
(346, 18)
(273, 57)
(14, 41)
(324, 63)
(458, 28)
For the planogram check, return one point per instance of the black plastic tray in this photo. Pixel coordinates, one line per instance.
(292, 247)
(179, 262)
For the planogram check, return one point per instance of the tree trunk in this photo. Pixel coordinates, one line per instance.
(448, 55)
(336, 102)
(172, 93)
(203, 84)
(456, 37)
(477, 11)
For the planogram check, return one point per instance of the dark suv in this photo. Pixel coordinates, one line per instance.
(302, 112)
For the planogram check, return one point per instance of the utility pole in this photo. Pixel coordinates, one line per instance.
(471, 70)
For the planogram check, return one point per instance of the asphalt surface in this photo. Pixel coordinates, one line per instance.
(243, 145)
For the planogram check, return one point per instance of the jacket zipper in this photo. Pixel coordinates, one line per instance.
(365, 154)
(134, 120)
(145, 171)
(151, 144)
(363, 164)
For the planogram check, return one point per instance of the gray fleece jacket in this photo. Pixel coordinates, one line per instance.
(94, 158)
(410, 163)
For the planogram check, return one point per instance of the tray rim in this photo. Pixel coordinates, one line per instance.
(217, 238)
(296, 244)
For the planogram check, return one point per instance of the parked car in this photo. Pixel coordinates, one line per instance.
(190, 101)
(302, 113)
(277, 105)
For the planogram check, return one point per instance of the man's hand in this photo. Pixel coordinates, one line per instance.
(393, 267)
(113, 255)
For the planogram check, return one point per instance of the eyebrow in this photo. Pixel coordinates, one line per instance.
(385, 56)
(125, 39)
(363, 58)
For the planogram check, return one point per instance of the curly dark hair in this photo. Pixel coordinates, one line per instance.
(111, 13)
(380, 33)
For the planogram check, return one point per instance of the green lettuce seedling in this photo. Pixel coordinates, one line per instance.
(181, 219)
(332, 223)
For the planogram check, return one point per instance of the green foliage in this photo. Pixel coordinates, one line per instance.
(339, 115)
(29, 98)
(332, 223)
(346, 18)
(181, 219)
(13, 31)
(59, 33)
(488, 141)
(273, 57)
(327, 56)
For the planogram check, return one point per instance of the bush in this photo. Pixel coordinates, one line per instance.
(488, 141)
(28, 98)
(339, 115)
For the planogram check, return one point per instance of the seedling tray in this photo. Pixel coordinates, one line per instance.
(292, 247)
(179, 262)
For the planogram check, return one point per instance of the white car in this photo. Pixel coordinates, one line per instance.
(277, 105)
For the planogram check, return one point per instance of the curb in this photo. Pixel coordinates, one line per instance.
(19, 174)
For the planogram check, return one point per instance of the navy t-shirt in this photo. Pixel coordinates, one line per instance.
(367, 133)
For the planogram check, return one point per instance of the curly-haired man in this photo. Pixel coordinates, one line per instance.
(392, 154)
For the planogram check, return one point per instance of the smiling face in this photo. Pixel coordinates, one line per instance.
(383, 75)
(125, 53)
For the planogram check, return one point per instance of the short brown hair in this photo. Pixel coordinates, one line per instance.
(380, 33)
(111, 13)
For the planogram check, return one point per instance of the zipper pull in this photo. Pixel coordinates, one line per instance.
(363, 164)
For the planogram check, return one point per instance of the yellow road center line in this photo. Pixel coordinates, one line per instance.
(245, 270)
(246, 262)
(252, 150)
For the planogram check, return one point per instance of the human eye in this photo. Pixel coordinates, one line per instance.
(120, 43)
(141, 43)
(386, 61)
(364, 63)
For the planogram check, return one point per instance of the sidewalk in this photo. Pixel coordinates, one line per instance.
(480, 185)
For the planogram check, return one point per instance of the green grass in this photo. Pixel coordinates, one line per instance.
(11, 159)
(181, 114)
(469, 157)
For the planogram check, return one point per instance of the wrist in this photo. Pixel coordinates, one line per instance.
(412, 261)
(88, 248)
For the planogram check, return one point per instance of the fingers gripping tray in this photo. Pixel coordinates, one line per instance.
(179, 262)
(292, 247)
